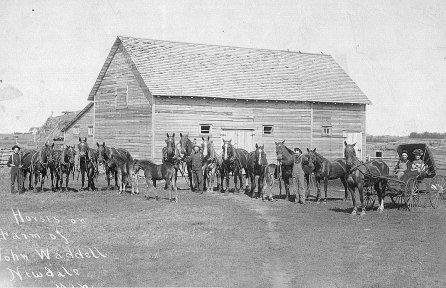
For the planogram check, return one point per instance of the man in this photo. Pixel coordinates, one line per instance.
(298, 177)
(418, 165)
(197, 168)
(15, 162)
(402, 165)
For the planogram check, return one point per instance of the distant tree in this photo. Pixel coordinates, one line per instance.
(427, 135)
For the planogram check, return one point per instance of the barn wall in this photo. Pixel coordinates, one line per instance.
(123, 112)
(291, 121)
(342, 117)
(83, 122)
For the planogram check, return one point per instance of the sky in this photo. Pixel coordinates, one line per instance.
(395, 51)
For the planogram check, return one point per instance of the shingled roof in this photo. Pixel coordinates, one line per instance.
(184, 69)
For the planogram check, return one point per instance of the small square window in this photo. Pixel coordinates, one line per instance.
(90, 130)
(326, 130)
(267, 130)
(76, 130)
(205, 129)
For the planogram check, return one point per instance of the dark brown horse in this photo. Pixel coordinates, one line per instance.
(256, 165)
(360, 175)
(38, 163)
(118, 158)
(63, 163)
(88, 163)
(285, 157)
(186, 147)
(110, 169)
(325, 170)
(210, 164)
(153, 172)
(234, 160)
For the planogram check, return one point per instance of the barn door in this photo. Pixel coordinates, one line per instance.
(241, 138)
(354, 138)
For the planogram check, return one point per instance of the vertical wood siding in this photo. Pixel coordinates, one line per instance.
(122, 121)
(83, 123)
(341, 117)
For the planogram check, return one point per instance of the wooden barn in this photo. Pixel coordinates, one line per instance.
(80, 126)
(147, 88)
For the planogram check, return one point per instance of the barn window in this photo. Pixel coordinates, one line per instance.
(205, 129)
(76, 130)
(121, 97)
(327, 130)
(267, 130)
(90, 130)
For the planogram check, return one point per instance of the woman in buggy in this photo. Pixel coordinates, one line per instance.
(403, 165)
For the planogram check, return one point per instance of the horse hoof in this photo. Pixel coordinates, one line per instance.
(362, 213)
(355, 211)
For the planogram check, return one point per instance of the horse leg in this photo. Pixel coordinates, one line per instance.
(307, 186)
(351, 188)
(325, 188)
(380, 190)
(361, 198)
(261, 194)
(344, 182)
(286, 181)
(253, 184)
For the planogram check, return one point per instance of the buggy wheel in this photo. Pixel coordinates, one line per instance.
(398, 200)
(411, 196)
(437, 191)
(369, 198)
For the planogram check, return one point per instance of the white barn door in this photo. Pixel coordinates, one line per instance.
(351, 138)
(241, 138)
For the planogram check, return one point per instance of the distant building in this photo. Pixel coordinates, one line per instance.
(80, 126)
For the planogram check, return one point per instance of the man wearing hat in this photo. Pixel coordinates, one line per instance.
(403, 165)
(418, 164)
(298, 177)
(197, 168)
(15, 162)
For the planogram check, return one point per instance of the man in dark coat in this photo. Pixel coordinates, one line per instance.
(197, 168)
(15, 162)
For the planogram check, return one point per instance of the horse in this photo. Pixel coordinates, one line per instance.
(256, 164)
(110, 169)
(210, 164)
(117, 158)
(153, 172)
(325, 170)
(360, 175)
(285, 157)
(36, 163)
(63, 163)
(186, 147)
(88, 163)
(271, 174)
(234, 160)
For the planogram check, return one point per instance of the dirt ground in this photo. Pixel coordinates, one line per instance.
(215, 240)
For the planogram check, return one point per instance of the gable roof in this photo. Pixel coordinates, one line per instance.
(185, 69)
(77, 117)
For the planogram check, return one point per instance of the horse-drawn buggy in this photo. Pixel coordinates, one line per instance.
(419, 180)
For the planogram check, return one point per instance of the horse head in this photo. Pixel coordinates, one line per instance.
(228, 149)
(170, 145)
(47, 153)
(185, 144)
(260, 155)
(206, 147)
(102, 152)
(280, 148)
(82, 147)
(69, 154)
(310, 159)
(349, 154)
